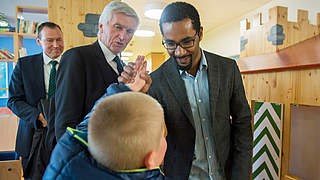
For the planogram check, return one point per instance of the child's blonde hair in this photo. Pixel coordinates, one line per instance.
(124, 128)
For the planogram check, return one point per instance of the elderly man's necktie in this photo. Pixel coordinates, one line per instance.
(119, 65)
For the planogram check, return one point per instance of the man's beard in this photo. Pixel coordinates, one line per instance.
(183, 68)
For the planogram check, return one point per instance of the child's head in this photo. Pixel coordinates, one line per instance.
(126, 131)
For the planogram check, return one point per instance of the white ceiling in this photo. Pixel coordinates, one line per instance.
(212, 14)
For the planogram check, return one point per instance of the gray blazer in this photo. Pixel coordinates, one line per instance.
(233, 140)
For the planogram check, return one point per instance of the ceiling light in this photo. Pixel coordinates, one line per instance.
(153, 10)
(144, 33)
(126, 54)
(124, 58)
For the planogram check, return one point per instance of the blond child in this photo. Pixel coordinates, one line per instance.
(124, 139)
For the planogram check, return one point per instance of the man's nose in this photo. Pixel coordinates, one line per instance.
(179, 51)
(122, 34)
(55, 43)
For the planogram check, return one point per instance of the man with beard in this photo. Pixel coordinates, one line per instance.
(200, 92)
(31, 98)
(87, 71)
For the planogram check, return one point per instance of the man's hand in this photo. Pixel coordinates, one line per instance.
(128, 74)
(135, 76)
(42, 120)
(148, 81)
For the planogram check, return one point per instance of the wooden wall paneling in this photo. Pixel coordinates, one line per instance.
(294, 86)
(286, 131)
(269, 86)
(308, 87)
(69, 13)
(286, 87)
(282, 20)
(292, 32)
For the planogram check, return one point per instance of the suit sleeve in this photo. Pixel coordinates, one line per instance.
(70, 92)
(17, 101)
(241, 130)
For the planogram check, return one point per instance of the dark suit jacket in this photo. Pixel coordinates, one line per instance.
(83, 76)
(25, 91)
(233, 141)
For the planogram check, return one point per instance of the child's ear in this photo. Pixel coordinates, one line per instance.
(149, 160)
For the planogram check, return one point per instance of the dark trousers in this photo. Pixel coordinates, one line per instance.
(43, 142)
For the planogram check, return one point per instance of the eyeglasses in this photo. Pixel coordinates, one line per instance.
(171, 45)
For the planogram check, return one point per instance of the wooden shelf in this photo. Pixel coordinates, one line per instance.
(8, 60)
(11, 34)
(19, 34)
(31, 9)
(31, 35)
(7, 34)
(18, 37)
(301, 55)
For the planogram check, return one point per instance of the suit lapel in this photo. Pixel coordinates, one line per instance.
(104, 66)
(178, 88)
(213, 81)
(39, 70)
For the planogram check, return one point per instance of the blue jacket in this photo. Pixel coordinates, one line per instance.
(71, 159)
(26, 88)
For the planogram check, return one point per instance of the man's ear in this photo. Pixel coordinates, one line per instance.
(201, 33)
(38, 42)
(149, 160)
(100, 28)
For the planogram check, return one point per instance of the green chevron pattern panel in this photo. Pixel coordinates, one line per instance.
(267, 140)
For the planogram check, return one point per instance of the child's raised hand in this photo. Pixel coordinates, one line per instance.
(140, 81)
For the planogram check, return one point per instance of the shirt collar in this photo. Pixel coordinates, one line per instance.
(47, 59)
(203, 63)
(106, 52)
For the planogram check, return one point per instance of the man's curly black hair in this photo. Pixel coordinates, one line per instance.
(178, 11)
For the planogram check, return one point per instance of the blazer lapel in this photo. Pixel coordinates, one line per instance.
(39, 70)
(103, 64)
(178, 88)
(213, 81)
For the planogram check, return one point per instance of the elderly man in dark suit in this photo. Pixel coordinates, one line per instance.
(33, 83)
(87, 71)
(199, 92)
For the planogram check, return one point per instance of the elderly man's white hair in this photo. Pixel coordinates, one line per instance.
(116, 7)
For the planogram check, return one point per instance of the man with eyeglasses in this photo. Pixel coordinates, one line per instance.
(199, 92)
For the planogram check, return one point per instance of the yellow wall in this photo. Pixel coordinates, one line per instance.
(156, 59)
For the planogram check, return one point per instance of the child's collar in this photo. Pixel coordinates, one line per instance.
(137, 170)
